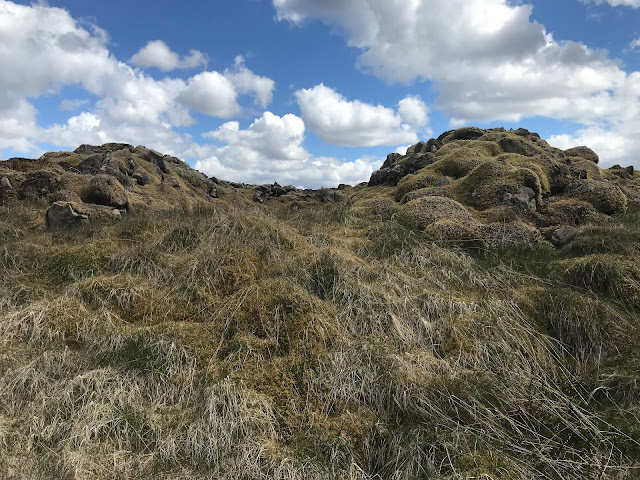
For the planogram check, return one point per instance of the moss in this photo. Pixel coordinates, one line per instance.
(451, 234)
(568, 211)
(76, 262)
(426, 192)
(426, 210)
(509, 235)
(604, 196)
(485, 186)
(374, 206)
(421, 179)
(457, 159)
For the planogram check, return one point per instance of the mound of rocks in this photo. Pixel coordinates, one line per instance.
(104, 182)
(537, 190)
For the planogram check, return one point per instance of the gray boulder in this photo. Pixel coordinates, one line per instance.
(64, 215)
(563, 235)
(107, 190)
(584, 152)
(524, 198)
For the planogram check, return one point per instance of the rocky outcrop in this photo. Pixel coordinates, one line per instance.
(266, 192)
(64, 215)
(106, 190)
(510, 175)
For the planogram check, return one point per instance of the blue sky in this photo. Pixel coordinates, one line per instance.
(315, 92)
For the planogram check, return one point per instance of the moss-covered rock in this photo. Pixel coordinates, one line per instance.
(106, 190)
(487, 184)
(448, 233)
(606, 197)
(427, 210)
(421, 179)
(584, 152)
(511, 235)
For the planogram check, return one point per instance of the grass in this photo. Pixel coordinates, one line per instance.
(330, 341)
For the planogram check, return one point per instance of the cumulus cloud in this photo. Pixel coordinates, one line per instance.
(247, 82)
(635, 43)
(271, 149)
(158, 54)
(615, 3)
(43, 49)
(486, 58)
(211, 93)
(354, 123)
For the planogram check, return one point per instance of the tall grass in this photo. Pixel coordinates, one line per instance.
(327, 341)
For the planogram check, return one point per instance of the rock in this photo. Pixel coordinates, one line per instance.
(397, 166)
(5, 188)
(444, 181)
(607, 197)
(106, 190)
(173, 183)
(563, 235)
(515, 145)
(107, 147)
(467, 133)
(622, 172)
(524, 198)
(584, 152)
(64, 215)
(38, 185)
(330, 196)
(141, 177)
(265, 192)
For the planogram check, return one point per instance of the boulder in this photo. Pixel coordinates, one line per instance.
(265, 192)
(38, 185)
(524, 198)
(330, 196)
(467, 133)
(5, 184)
(64, 215)
(141, 177)
(107, 190)
(563, 235)
(605, 196)
(584, 152)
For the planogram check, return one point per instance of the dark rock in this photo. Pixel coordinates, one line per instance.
(213, 191)
(38, 185)
(107, 190)
(515, 145)
(584, 152)
(64, 215)
(141, 177)
(97, 164)
(563, 235)
(622, 172)
(343, 186)
(107, 147)
(330, 196)
(397, 166)
(468, 133)
(524, 198)
(265, 192)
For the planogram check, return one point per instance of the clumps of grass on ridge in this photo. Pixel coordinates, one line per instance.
(322, 341)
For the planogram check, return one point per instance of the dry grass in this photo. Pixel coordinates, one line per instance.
(331, 341)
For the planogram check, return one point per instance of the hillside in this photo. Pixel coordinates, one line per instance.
(470, 313)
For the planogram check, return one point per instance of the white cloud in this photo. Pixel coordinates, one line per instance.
(486, 58)
(616, 3)
(353, 123)
(69, 105)
(271, 149)
(635, 43)
(413, 111)
(248, 82)
(158, 54)
(212, 94)
(43, 49)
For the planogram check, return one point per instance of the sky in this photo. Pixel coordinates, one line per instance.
(315, 92)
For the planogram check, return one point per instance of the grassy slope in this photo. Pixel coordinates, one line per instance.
(245, 341)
